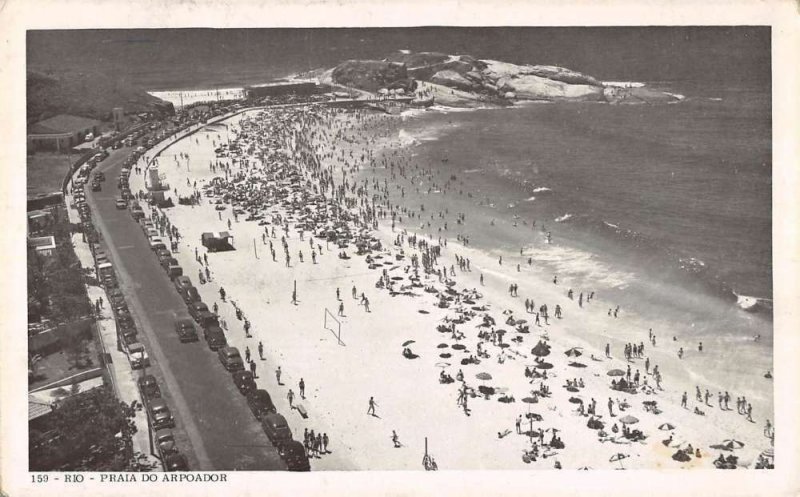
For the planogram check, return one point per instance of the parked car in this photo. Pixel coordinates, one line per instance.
(121, 204)
(207, 319)
(294, 455)
(195, 308)
(185, 329)
(277, 429)
(165, 442)
(230, 358)
(149, 387)
(182, 282)
(191, 295)
(260, 403)
(160, 415)
(176, 462)
(244, 381)
(215, 338)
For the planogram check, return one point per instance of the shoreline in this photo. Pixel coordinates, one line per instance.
(226, 267)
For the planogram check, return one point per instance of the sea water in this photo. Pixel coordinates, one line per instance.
(663, 209)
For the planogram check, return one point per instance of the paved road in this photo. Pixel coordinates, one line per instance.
(213, 421)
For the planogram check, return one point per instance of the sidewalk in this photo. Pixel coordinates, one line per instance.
(123, 377)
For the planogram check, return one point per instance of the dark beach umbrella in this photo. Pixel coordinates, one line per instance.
(540, 350)
(500, 331)
(408, 342)
(629, 420)
(458, 346)
(504, 345)
(577, 365)
(666, 427)
(574, 352)
(483, 376)
(442, 346)
(423, 311)
(446, 355)
(616, 372)
(544, 365)
(530, 400)
(522, 321)
(575, 400)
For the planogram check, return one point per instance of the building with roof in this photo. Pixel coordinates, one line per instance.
(61, 132)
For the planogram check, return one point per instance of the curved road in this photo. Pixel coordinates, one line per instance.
(214, 426)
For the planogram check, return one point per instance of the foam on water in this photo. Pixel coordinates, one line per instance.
(561, 219)
(579, 264)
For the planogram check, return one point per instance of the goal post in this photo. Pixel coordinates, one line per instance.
(333, 325)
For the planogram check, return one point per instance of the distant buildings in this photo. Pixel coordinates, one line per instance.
(61, 132)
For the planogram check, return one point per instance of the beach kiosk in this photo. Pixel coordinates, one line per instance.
(217, 241)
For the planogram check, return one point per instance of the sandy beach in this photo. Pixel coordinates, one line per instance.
(299, 173)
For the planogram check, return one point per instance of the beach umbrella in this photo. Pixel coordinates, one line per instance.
(522, 321)
(530, 400)
(408, 342)
(458, 346)
(616, 372)
(540, 350)
(442, 364)
(544, 365)
(618, 457)
(442, 346)
(577, 365)
(629, 420)
(732, 444)
(483, 376)
(666, 427)
(574, 352)
(575, 400)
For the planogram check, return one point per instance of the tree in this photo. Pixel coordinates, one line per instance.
(90, 431)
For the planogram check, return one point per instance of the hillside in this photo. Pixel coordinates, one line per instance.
(462, 80)
(83, 94)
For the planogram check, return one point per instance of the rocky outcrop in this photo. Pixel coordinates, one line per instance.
(463, 78)
(452, 79)
(370, 75)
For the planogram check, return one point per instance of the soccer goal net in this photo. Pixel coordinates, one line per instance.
(333, 325)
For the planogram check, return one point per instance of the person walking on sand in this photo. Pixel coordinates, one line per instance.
(707, 396)
(371, 408)
(519, 424)
(355, 293)
(683, 400)
(253, 369)
(261, 350)
(247, 354)
(302, 386)
(608, 349)
(697, 394)
(337, 294)
(610, 407)
(395, 439)
(290, 398)
(341, 309)
(325, 442)
(278, 375)
(481, 279)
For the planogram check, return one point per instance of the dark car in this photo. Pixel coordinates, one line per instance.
(191, 295)
(185, 330)
(149, 387)
(230, 358)
(294, 455)
(260, 403)
(176, 462)
(195, 308)
(207, 319)
(277, 429)
(244, 381)
(160, 415)
(165, 442)
(215, 337)
(167, 262)
(181, 283)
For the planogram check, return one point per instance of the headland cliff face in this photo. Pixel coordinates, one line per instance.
(462, 80)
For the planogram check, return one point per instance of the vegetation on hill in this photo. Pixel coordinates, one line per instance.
(82, 94)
